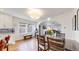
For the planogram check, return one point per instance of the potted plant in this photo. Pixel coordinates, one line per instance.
(50, 32)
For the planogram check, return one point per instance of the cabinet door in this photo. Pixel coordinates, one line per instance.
(1, 20)
(7, 21)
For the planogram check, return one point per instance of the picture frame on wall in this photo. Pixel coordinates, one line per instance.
(78, 19)
(74, 23)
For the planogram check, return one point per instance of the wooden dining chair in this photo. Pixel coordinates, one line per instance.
(55, 44)
(42, 43)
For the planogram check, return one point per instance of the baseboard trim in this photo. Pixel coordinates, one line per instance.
(19, 40)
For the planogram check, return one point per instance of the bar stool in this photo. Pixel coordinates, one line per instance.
(7, 38)
(2, 44)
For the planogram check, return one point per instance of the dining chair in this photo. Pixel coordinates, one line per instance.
(55, 44)
(42, 43)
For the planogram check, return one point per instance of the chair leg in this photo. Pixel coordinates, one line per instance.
(7, 48)
(38, 47)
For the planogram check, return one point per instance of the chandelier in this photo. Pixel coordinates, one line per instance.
(35, 13)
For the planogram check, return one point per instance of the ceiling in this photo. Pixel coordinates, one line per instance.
(47, 12)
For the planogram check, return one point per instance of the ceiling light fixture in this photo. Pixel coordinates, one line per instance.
(48, 18)
(35, 13)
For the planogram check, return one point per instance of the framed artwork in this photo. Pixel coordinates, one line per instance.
(78, 19)
(74, 23)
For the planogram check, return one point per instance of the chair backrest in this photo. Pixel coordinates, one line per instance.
(41, 43)
(7, 38)
(2, 45)
(56, 44)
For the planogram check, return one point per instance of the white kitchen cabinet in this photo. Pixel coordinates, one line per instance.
(1, 21)
(8, 21)
(5, 21)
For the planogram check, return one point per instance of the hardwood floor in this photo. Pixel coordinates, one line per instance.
(24, 45)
